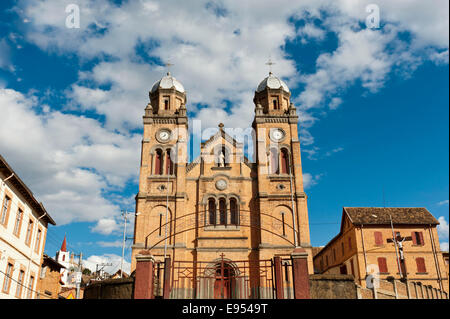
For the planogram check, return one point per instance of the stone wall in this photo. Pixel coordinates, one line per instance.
(396, 289)
(110, 289)
(332, 287)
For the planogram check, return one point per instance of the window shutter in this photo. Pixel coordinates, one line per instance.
(421, 265)
(414, 238)
(382, 265)
(378, 238)
(422, 242)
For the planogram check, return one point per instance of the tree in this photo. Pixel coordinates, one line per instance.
(86, 271)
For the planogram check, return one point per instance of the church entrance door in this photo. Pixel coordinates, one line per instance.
(224, 280)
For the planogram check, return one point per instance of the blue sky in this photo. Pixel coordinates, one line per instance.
(373, 103)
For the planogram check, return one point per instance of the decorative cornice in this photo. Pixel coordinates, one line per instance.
(223, 238)
(162, 178)
(216, 168)
(269, 246)
(222, 249)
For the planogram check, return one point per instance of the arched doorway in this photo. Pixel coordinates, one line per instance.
(225, 281)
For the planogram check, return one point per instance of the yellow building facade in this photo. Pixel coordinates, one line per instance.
(364, 246)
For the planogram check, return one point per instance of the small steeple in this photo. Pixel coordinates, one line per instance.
(64, 245)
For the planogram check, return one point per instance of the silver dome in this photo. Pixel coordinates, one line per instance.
(272, 82)
(168, 82)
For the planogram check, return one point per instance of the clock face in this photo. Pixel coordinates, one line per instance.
(277, 135)
(163, 135)
(221, 184)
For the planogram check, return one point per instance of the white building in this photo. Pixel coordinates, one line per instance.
(23, 230)
(66, 259)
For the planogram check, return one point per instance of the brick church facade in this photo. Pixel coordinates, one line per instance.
(221, 205)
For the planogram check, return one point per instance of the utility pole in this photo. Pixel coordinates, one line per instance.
(98, 276)
(124, 214)
(123, 242)
(294, 211)
(79, 276)
(167, 211)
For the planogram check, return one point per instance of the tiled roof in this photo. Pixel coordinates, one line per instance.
(24, 190)
(381, 215)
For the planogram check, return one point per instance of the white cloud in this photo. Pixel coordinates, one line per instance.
(92, 261)
(220, 48)
(117, 243)
(444, 246)
(439, 57)
(444, 202)
(310, 180)
(334, 103)
(219, 51)
(68, 161)
(333, 151)
(310, 31)
(360, 56)
(5, 56)
(442, 228)
(105, 226)
(312, 153)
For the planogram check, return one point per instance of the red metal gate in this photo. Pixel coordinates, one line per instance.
(224, 279)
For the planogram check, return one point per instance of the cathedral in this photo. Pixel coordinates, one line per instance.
(221, 207)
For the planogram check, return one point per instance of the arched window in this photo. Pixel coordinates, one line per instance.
(169, 163)
(212, 211)
(274, 169)
(222, 211)
(165, 222)
(166, 102)
(284, 161)
(160, 224)
(158, 162)
(275, 104)
(233, 212)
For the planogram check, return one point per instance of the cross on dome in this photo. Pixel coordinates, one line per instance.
(270, 63)
(168, 65)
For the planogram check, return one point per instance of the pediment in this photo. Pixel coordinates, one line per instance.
(221, 138)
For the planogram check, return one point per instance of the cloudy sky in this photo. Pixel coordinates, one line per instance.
(373, 101)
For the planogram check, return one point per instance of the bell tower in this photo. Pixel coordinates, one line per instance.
(167, 96)
(280, 181)
(162, 189)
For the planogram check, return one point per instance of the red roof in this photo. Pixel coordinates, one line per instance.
(64, 245)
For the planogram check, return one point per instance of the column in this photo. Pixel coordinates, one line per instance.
(143, 283)
(278, 278)
(300, 273)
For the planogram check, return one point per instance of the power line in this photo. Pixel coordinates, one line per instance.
(37, 292)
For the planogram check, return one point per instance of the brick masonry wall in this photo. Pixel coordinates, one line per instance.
(332, 287)
(110, 289)
(49, 286)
